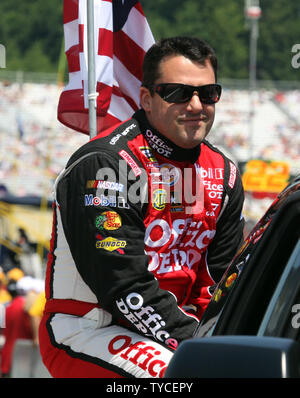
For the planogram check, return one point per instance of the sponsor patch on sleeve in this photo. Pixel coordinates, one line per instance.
(129, 160)
(109, 220)
(102, 184)
(111, 244)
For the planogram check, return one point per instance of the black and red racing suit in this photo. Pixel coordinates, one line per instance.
(142, 230)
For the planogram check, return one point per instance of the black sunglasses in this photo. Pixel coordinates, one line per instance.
(178, 93)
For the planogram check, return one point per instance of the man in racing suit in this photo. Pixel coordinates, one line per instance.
(146, 218)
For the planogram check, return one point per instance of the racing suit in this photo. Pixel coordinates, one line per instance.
(142, 231)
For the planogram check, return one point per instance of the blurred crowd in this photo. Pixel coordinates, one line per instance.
(259, 125)
(34, 145)
(22, 300)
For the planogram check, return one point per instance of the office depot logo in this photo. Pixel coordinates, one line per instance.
(141, 354)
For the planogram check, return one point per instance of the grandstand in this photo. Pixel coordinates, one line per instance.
(35, 146)
(275, 125)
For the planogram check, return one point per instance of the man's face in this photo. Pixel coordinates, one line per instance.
(185, 124)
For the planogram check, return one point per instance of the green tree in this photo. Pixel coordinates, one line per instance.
(279, 30)
(31, 29)
(41, 60)
(219, 22)
(222, 24)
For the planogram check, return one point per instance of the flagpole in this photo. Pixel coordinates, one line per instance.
(92, 94)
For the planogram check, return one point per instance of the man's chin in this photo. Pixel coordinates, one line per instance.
(193, 139)
(190, 144)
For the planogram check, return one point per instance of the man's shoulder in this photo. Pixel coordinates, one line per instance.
(210, 147)
(109, 142)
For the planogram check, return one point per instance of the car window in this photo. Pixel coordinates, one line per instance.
(255, 288)
(282, 318)
(293, 327)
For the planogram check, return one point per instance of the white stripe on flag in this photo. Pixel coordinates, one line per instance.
(75, 81)
(82, 11)
(104, 66)
(103, 16)
(71, 32)
(137, 28)
(127, 82)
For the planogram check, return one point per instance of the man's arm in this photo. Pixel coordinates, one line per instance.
(107, 244)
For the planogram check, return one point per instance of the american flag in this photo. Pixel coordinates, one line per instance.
(122, 36)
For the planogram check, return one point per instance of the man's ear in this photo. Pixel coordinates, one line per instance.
(145, 99)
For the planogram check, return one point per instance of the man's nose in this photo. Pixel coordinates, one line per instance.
(194, 104)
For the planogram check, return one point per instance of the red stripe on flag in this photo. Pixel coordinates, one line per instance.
(70, 10)
(129, 53)
(81, 36)
(71, 112)
(103, 99)
(139, 8)
(73, 58)
(105, 43)
(71, 100)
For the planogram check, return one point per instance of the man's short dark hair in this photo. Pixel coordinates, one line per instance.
(190, 47)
